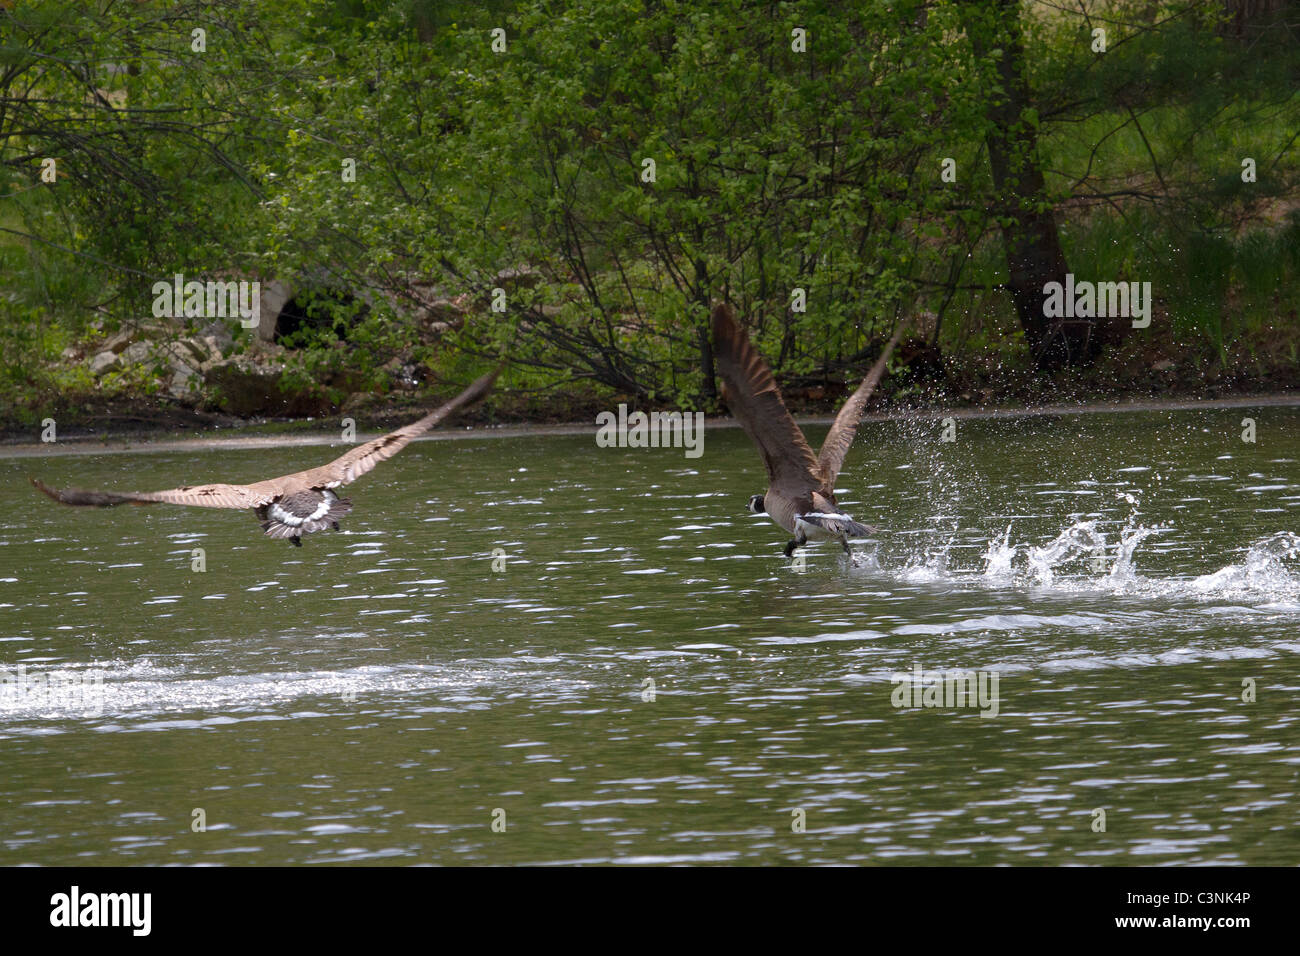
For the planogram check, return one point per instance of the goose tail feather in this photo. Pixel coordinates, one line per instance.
(303, 514)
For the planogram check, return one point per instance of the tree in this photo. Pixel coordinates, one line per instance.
(1023, 209)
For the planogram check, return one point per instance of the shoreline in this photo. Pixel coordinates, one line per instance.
(217, 439)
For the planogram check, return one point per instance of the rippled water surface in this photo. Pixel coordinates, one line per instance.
(638, 675)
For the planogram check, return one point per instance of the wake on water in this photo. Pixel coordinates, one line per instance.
(1093, 563)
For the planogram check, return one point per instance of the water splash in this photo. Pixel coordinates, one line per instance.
(1082, 559)
(999, 557)
(1079, 539)
(1123, 573)
(933, 566)
(1263, 570)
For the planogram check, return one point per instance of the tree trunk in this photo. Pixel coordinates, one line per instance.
(1251, 19)
(1033, 247)
(709, 389)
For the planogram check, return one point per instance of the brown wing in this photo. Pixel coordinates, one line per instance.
(348, 467)
(356, 462)
(202, 496)
(752, 397)
(841, 435)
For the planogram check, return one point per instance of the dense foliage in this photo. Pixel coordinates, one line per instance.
(574, 182)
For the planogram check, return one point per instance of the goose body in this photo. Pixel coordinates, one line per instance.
(800, 495)
(301, 511)
(291, 505)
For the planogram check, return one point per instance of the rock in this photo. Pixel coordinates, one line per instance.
(220, 333)
(517, 277)
(216, 352)
(135, 352)
(119, 340)
(187, 350)
(176, 355)
(200, 352)
(184, 384)
(103, 363)
(134, 332)
(1162, 365)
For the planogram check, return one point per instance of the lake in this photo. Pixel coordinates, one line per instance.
(534, 650)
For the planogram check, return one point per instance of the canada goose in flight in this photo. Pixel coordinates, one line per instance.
(293, 505)
(801, 486)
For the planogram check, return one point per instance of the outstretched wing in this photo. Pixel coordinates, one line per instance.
(201, 496)
(842, 433)
(348, 467)
(343, 470)
(752, 397)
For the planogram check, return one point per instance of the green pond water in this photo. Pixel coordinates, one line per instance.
(389, 692)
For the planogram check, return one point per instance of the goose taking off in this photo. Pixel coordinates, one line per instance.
(801, 486)
(293, 505)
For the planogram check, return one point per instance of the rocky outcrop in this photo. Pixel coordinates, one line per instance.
(103, 363)
(195, 362)
(183, 360)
